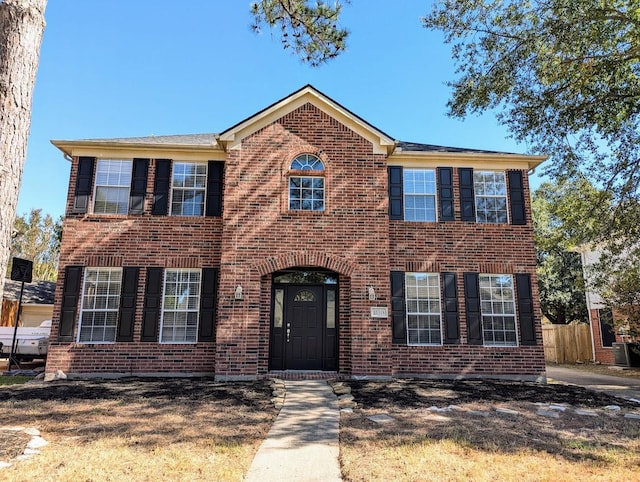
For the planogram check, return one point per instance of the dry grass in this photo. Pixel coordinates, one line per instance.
(139, 429)
(463, 446)
(626, 372)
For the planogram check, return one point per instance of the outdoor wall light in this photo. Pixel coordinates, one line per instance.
(372, 293)
(238, 293)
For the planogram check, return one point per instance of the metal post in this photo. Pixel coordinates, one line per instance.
(12, 358)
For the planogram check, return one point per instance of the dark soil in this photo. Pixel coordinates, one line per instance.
(426, 393)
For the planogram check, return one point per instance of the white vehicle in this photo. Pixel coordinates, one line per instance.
(31, 342)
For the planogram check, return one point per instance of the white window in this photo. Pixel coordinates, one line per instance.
(419, 187)
(113, 181)
(498, 310)
(307, 193)
(424, 319)
(180, 306)
(188, 189)
(490, 189)
(100, 304)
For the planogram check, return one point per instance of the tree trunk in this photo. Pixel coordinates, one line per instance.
(21, 27)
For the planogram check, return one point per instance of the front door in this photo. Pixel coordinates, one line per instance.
(303, 327)
(304, 334)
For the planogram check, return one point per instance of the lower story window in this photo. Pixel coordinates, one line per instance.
(498, 310)
(423, 308)
(181, 305)
(100, 304)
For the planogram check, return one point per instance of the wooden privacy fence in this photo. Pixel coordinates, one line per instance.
(8, 313)
(567, 343)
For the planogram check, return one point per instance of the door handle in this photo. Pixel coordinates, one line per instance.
(288, 334)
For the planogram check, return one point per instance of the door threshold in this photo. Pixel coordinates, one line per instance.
(302, 374)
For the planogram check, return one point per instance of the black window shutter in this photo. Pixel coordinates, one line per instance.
(516, 198)
(128, 296)
(70, 296)
(215, 173)
(398, 314)
(445, 193)
(138, 186)
(467, 195)
(84, 182)
(472, 304)
(396, 210)
(208, 295)
(161, 187)
(451, 319)
(525, 309)
(152, 305)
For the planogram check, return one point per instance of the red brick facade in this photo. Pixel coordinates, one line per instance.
(257, 235)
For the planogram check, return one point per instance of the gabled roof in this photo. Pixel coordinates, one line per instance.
(35, 293)
(231, 138)
(211, 145)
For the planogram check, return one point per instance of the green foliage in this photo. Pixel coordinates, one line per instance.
(37, 237)
(311, 31)
(560, 276)
(564, 77)
(616, 277)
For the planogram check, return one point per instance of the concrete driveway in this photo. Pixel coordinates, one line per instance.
(628, 388)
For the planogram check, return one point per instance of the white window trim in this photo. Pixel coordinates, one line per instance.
(304, 176)
(162, 311)
(82, 307)
(437, 275)
(506, 197)
(96, 185)
(435, 195)
(515, 313)
(171, 188)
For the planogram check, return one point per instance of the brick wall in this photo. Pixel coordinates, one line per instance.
(261, 236)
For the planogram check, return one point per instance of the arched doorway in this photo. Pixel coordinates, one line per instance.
(304, 320)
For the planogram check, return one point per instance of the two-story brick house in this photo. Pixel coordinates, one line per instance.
(300, 240)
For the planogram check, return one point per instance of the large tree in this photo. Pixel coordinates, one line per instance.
(21, 28)
(564, 77)
(559, 267)
(37, 237)
(309, 28)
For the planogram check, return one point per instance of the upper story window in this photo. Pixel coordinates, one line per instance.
(490, 189)
(498, 309)
(100, 304)
(419, 194)
(306, 193)
(113, 181)
(188, 189)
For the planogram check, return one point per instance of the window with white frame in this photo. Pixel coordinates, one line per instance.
(490, 189)
(100, 304)
(180, 306)
(419, 187)
(113, 182)
(307, 193)
(498, 310)
(188, 188)
(424, 319)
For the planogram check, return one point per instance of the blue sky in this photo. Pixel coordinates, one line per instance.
(123, 68)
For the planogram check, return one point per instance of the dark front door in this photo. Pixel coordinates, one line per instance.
(303, 327)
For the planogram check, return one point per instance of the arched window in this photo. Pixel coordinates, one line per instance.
(306, 193)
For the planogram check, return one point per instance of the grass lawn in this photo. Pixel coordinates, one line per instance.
(475, 443)
(138, 430)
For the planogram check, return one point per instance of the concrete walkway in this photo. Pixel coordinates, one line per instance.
(302, 444)
(617, 386)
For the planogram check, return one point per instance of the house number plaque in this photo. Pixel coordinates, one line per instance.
(379, 312)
